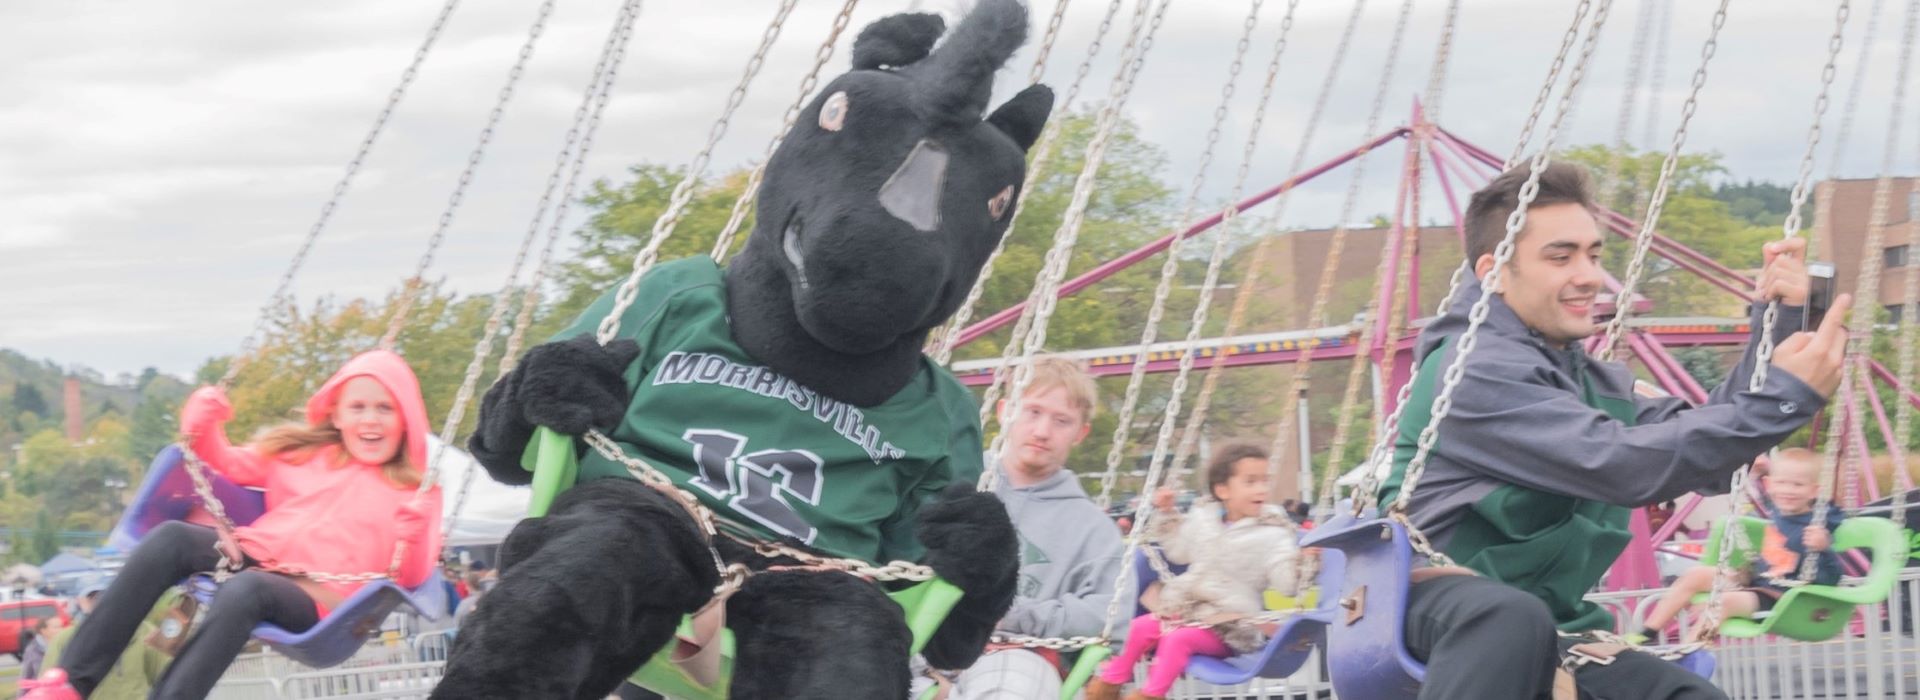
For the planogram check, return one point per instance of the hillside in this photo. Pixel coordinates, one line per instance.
(35, 386)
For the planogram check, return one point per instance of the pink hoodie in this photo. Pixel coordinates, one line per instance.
(331, 516)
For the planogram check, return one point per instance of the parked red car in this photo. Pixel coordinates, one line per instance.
(17, 618)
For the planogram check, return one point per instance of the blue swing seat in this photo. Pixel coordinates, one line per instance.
(167, 494)
(1285, 652)
(1366, 642)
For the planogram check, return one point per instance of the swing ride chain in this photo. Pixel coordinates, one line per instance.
(1158, 464)
(1860, 337)
(1046, 42)
(683, 191)
(409, 292)
(1443, 53)
(1303, 363)
(1300, 381)
(284, 288)
(1623, 301)
(1733, 536)
(1052, 265)
(1477, 316)
(1903, 410)
(1546, 87)
(1314, 117)
(1170, 267)
(1044, 300)
(744, 204)
(1228, 218)
(659, 481)
(1610, 181)
(586, 121)
(231, 557)
(1043, 151)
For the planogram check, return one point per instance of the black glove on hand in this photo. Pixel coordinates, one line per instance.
(569, 386)
(972, 544)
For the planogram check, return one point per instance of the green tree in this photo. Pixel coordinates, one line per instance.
(623, 220)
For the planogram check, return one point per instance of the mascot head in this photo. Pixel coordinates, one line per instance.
(884, 201)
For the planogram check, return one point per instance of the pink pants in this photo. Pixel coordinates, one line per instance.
(1170, 653)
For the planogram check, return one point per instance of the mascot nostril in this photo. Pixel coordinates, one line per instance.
(787, 393)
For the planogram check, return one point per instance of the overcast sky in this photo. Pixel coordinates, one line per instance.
(160, 160)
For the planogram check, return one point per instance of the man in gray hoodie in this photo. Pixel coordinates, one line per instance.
(1070, 550)
(1545, 450)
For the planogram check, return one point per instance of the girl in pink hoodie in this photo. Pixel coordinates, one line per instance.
(341, 491)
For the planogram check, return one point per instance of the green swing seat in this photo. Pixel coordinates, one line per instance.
(555, 466)
(1815, 613)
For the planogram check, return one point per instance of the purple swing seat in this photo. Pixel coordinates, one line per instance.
(1366, 644)
(167, 494)
(1285, 652)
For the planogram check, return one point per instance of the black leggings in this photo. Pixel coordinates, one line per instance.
(171, 552)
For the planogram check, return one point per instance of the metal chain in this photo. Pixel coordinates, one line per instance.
(1503, 254)
(683, 191)
(1044, 299)
(586, 122)
(1610, 183)
(283, 290)
(1229, 217)
(1043, 152)
(1357, 366)
(1860, 324)
(1636, 268)
(744, 205)
(1300, 382)
(1170, 266)
(1198, 321)
(410, 291)
(1045, 50)
(1733, 533)
(1546, 86)
(710, 523)
(1250, 277)
(1442, 59)
(1903, 410)
(1845, 131)
(1655, 86)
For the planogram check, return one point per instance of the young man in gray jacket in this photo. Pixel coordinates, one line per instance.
(1545, 451)
(1070, 550)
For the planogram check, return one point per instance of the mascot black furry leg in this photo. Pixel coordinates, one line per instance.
(788, 393)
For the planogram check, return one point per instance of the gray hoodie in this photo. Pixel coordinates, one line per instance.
(1518, 417)
(1069, 555)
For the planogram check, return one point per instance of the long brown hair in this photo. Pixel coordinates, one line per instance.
(301, 440)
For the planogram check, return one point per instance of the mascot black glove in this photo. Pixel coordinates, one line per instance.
(569, 386)
(972, 544)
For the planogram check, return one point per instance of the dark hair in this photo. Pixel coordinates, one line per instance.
(1560, 183)
(1220, 467)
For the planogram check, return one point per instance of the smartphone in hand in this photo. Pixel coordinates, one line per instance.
(1819, 294)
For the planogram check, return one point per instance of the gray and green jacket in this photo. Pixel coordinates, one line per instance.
(1546, 450)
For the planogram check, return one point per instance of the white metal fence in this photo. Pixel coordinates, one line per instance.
(1878, 659)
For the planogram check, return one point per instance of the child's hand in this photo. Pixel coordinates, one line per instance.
(1163, 500)
(1816, 539)
(205, 411)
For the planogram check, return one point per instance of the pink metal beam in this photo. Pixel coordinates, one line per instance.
(1656, 351)
(1902, 479)
(1389, 282)
(1880, 370)
(1109, 268)
(1442, 164)
(1170, 360)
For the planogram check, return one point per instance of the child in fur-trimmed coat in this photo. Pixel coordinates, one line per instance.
(1237, 547)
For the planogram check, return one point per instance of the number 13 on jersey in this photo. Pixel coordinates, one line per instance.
(760, 485)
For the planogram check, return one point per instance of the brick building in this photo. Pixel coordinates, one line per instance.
(1840, 227)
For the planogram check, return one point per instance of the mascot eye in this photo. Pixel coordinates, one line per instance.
(997, 207)
(833, 113)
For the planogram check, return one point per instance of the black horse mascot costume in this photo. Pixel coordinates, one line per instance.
(787, 392)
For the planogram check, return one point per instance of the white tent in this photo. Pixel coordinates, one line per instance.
(491, 508)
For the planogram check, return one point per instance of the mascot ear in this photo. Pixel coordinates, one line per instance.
(1025, 115)
(897, 40)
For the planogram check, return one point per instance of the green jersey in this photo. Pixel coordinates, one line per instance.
(767, 453)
